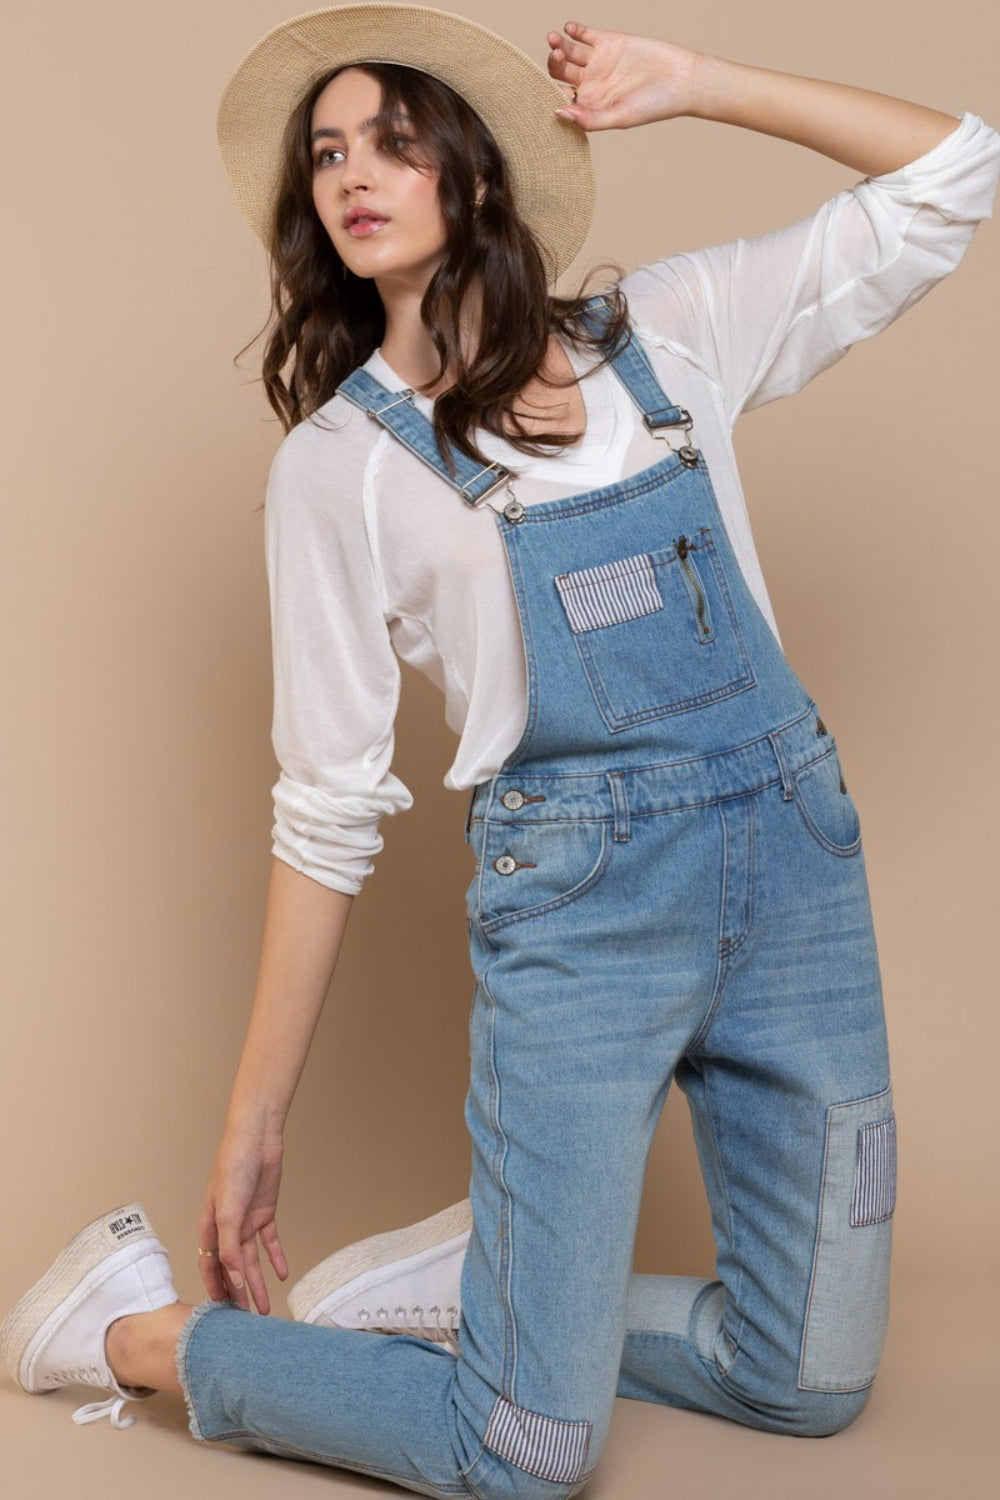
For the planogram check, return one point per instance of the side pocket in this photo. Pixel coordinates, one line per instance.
(826, 806)
(848, 1302)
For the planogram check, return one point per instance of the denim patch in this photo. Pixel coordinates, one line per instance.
(548, 1447)
(848, 1300)
(875, 1173)
(609, 594)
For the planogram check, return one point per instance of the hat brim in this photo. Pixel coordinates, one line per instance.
(549, 159)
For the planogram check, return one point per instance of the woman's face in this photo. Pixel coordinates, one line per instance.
(382, 215)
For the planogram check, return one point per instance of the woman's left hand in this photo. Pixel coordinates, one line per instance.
(620, 79)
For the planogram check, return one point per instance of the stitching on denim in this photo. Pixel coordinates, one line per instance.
(844, 851)
(885, 1093)
(603, 860)
(734, 1296)
(527, 646)
(506, 1202)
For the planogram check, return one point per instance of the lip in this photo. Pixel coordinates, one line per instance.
(356, 212)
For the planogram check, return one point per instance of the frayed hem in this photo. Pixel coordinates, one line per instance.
(181, 1357)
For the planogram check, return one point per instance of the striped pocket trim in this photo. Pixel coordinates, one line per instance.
(609, 594)
(548, 1447)
(874, 1197)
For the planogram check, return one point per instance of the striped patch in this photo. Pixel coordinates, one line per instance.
(610, 593)
(548, 1447)
(874, 1197)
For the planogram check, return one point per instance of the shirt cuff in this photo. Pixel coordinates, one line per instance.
(333, 839)
(958, 176)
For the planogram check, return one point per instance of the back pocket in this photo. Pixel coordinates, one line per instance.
(656, 632)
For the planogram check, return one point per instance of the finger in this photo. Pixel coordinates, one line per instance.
(588, 119)
(208, 1265)
(256, 1285)
(212, 1278)
(581, 32)
(231, 1260)
(565, 72)
(574, 51)
(271, 1241)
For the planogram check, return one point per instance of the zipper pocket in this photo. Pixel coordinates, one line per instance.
(696, 590)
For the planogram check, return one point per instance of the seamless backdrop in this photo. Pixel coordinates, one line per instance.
(137, 764)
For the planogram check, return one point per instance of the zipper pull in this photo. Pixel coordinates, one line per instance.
(681, 546)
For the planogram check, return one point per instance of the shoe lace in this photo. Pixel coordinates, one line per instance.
(440, 1325)
(112, 1409)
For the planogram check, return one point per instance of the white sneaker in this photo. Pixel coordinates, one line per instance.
(55, 1335)
(403, 1281)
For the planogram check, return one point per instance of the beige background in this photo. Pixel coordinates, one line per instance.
(137, 765)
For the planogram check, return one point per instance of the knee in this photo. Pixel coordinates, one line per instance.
(822, 1413)
(494, 1478)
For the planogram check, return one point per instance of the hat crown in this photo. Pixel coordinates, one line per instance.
(548, 159)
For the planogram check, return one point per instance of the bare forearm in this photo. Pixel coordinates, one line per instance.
(619, 80)
(303, 928)
(870, 132)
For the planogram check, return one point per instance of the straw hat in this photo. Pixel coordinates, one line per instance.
(549, 159)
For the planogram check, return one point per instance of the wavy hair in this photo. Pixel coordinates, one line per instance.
(323, 323)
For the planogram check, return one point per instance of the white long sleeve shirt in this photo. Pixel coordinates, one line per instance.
(372, 558)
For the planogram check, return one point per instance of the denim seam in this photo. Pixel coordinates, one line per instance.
(527, 647)
(597, 777)
(664, 470)
(750, 897)
(735, 1296)
(722, 949)
(509, 1368)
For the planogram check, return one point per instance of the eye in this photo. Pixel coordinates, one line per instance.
(322, 157)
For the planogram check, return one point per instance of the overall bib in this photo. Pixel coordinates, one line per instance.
(669, 884)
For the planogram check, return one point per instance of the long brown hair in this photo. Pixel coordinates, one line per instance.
(324, 324)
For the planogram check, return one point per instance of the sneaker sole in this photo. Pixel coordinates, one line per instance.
(73, 1274)
(354, 1264)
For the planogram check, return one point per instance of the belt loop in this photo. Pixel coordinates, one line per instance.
(468, 816)
(619, 802)
(787, 779)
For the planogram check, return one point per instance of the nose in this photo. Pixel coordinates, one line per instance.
(357, 174)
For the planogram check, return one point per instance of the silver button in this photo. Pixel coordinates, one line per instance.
(505, 864)
(513, 510)
(513, 800)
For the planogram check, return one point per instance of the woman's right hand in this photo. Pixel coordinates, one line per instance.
(239, 1207)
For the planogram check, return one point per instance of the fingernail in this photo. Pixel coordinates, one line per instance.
(236, 1279)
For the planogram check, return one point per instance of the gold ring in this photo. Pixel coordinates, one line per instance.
(211, 1254)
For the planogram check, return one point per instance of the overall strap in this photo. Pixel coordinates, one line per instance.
(396, 411)
(633, 369)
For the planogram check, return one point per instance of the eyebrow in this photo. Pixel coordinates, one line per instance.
(330, 132)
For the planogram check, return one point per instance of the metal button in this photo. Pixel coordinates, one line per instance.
(513, 511)
(505, 864)
(688, 456)
(513, 800)
(820, 726)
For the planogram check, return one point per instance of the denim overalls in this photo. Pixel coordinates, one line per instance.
(669, 884)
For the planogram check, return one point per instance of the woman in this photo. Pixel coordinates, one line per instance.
(669, 874)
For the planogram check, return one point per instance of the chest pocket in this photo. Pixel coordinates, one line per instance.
(657, 632)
